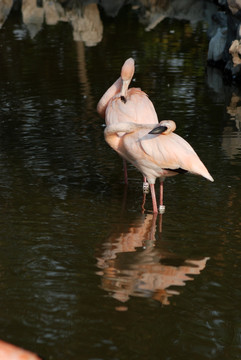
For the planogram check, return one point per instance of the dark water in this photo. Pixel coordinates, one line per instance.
(84, 274)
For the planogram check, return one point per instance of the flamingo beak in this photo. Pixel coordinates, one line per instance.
(158, 130)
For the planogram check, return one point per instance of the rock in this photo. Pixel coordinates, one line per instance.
(33, 16)
(235, 51)
(153, 12)
(5, 7)
(234, 6)
(87, 26)
(217, 45)
(53, 12)
(112, 7)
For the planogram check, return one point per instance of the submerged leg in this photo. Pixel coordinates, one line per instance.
(161, 206)
(153, 196)
(145, 186)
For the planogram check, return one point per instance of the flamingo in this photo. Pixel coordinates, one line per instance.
(120, 105)
(158, 153)
(12, 352)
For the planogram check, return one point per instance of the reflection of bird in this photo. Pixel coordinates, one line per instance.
(120, 104)
(131, 265)
(156, 156)
(12, 352)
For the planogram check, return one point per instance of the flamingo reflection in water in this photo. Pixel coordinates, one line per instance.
(131, 265)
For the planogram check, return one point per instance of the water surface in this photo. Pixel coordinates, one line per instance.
(84, 273)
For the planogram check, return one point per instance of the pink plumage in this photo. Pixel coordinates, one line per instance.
(120, 104)
(155, 155)
(159, 153)
(12, 352)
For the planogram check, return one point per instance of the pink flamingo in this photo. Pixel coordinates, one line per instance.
(12, 352)
(158, 153)
(120, 104)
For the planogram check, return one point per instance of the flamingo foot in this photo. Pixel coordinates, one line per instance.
(161, 209)
(145, 187)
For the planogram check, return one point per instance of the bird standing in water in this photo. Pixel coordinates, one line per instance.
(158, 153)
(120, 104)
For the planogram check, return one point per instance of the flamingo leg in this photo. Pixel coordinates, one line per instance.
(145, 186)
(161, 206)
(161, 193)
(125, 172)
(153, 196)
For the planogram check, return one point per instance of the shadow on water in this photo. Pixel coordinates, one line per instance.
(133, 262)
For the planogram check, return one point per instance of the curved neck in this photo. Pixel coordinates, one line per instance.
(112, 139)
(112, 91)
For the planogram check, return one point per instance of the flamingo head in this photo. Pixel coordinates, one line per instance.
(127, 72)
(165, 127)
